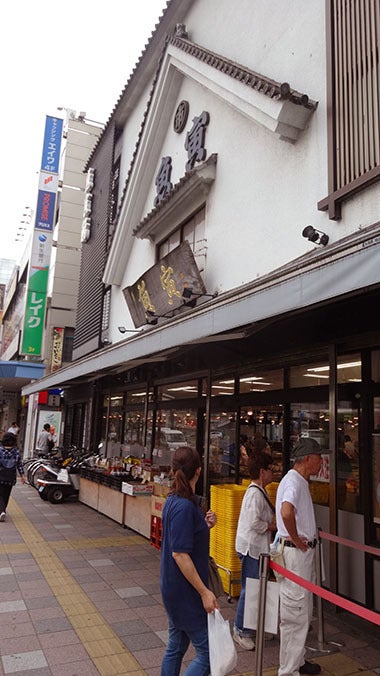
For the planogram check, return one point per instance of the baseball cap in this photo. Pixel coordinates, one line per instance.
(307, 446)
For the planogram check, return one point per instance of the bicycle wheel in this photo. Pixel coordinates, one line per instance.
(30, 469)
(40, 471)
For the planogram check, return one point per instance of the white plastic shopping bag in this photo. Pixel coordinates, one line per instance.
(251, 605)
(223, 655)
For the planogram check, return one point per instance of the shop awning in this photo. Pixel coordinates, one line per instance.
(15, 374)
(319, 277)
(21, 369)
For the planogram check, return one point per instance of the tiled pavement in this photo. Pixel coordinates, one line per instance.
(79, 596)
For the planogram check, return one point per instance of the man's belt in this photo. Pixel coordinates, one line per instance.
(312, 544)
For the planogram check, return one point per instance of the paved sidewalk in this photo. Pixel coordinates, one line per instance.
(79, 596)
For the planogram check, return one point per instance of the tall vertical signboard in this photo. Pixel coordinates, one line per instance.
(42, 238)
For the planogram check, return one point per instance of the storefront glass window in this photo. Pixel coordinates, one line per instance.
(174, 428)
(312, 374)
(349, 368)
(133, 434)
(263, 423)
(223, 386)
(112, 422)
(376, 465)
(261, 381)
(312, 420)
(173, 391)
(222, 455)
(375, 366)
(136, 396)
(348, 457)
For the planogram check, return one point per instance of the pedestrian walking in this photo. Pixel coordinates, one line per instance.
(10, 463)
(184, 568)
(14, 429)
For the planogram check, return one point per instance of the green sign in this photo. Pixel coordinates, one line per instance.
(35, 313)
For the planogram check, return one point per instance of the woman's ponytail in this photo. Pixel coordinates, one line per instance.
(185, 463)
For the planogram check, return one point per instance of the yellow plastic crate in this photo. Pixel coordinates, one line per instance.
(230, 581)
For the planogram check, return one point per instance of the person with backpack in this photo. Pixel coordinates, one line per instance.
(10, 464)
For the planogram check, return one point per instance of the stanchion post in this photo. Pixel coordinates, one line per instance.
(318, 566)
(321, 631)
(263, 577)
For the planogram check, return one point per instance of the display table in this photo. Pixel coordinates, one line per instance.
(89, 493)
(137, 513)
(131, 511)
(111, 503)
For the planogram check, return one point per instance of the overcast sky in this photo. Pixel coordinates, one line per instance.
(77, 54)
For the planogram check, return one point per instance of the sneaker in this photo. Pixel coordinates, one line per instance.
(2, 516)
(245, 642)
(310, 668)
(269, 637)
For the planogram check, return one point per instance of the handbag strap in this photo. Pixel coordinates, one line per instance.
(265, 494)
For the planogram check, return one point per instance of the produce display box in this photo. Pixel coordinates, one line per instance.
(136, 489)
(161, 490)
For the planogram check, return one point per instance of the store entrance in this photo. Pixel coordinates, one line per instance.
(235, 432)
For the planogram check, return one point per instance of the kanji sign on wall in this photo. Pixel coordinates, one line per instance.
(160, 290)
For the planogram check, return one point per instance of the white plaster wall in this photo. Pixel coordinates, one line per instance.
(130, 136)
(284, 41)
(266, 190)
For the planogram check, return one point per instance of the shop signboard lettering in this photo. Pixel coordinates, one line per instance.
(57, 348)
(159, 291)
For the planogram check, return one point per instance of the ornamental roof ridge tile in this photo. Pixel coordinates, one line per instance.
(263, 84)
(212, 159)
(137, 144)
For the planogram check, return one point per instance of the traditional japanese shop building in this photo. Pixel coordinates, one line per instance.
(230, 264)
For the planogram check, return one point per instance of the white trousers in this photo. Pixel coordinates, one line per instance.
(296, 609)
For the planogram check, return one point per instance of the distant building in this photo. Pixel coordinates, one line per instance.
(63, 234)
(6, 268)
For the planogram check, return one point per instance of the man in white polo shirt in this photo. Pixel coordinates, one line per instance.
(297, 530)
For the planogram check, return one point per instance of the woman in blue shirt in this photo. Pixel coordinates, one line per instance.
(184, 568)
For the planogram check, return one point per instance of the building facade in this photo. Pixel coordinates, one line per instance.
(229, 281)
(62, 222)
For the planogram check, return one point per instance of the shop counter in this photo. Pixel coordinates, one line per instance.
(89, 493)
(111, 503)
(137, 513)
(131, 511)
(104, 499)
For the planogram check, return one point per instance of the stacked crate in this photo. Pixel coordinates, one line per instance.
(225, 501)
(271, 489)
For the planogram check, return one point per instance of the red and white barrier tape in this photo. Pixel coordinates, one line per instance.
(375, 551)
(352, 607)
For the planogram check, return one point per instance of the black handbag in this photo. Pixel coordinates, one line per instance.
(215, 583)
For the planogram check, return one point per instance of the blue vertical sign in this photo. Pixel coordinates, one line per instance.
(52, 144)
(33, 328)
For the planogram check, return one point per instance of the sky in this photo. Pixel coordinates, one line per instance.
(76, 54)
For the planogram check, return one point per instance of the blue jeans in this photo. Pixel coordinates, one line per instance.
(249, 568)
(179, 641)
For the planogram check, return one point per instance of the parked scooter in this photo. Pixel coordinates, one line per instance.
(61, 482)
(64, 486)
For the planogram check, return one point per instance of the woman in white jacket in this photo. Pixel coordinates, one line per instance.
(253, 536)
